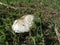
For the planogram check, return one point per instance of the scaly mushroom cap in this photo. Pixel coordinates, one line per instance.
(23, 24)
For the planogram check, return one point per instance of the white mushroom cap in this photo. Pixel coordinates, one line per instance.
(23, 24)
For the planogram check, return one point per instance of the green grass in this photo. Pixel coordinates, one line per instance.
(42, 31)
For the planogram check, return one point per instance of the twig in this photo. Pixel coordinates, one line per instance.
(57, 33)
(7, 5)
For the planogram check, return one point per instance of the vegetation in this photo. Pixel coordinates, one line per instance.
(42, 32)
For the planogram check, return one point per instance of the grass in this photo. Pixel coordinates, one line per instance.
(42, 32)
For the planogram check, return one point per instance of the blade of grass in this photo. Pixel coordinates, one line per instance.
(8, 5)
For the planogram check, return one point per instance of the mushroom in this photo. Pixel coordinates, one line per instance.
(23, 24)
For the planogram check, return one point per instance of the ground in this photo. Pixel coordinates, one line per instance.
(42, 32)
